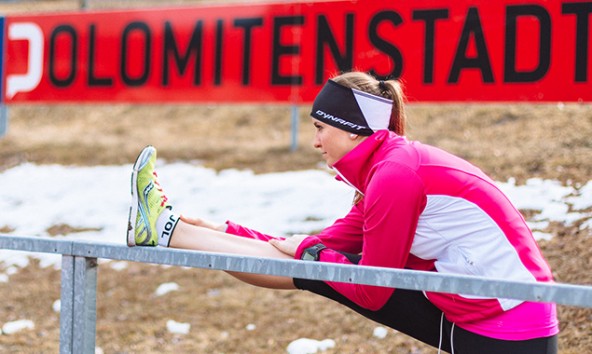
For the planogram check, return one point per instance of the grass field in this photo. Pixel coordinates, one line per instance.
(520, 141)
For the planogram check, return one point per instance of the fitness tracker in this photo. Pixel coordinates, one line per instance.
(312, 253)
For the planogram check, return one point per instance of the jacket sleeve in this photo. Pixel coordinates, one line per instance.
(392, 205)
(344, 235)
(239, 230)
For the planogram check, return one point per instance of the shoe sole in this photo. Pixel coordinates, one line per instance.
(133, 213)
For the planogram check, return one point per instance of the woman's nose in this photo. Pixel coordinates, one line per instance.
(316, 143)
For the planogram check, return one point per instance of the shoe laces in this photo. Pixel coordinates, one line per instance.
(159, 188)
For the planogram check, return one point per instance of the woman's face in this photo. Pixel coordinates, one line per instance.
(333, 143)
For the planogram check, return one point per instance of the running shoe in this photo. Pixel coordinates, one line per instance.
(148, 201)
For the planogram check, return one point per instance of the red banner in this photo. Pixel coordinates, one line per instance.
(465, 50)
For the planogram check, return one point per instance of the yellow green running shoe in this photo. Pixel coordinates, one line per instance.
(148, 201)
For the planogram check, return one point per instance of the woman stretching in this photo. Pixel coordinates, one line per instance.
(415, 207)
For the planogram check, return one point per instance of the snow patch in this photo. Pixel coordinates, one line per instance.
(166, 288)
(309, 346)
(274, 200)
(17, 326)
(119, 266)
(57, 305)
(380, 332)
(178, 327)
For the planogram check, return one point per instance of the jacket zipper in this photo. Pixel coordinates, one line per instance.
(346, 181)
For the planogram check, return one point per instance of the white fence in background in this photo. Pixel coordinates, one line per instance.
(79, 279)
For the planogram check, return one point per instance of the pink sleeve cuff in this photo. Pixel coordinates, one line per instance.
(231, 228)
(308, 242)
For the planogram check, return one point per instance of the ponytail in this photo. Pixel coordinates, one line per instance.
(394, 91)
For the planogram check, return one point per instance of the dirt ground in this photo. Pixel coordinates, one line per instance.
(550, 141)
(521, 141)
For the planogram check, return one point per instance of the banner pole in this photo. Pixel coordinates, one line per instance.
(3, 119)
(295, 125)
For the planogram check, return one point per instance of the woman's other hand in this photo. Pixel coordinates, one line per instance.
(289, 245)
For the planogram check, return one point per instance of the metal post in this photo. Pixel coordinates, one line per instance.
(295, 124)
(67, 305)
(85, 305)
(3, 120)
(78, 313)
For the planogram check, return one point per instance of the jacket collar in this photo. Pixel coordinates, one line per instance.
(354, 167)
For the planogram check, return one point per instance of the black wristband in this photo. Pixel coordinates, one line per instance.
(312, 253)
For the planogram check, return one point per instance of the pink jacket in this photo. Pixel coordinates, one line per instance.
(426, 209)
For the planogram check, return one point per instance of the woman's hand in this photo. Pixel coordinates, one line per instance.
(203, 223)
(289, 245)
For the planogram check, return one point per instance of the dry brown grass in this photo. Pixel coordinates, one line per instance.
(519, 141)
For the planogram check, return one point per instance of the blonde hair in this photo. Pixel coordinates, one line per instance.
(391, 89)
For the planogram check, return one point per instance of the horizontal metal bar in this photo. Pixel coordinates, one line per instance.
(35, 244)
(565, 294)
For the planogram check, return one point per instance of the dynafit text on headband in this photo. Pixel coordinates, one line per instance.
(351, 110)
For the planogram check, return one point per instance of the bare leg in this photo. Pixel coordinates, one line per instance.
(187, 236)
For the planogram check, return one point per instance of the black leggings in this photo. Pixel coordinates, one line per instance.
(410, 312)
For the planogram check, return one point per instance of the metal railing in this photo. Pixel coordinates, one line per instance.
(79, 279)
